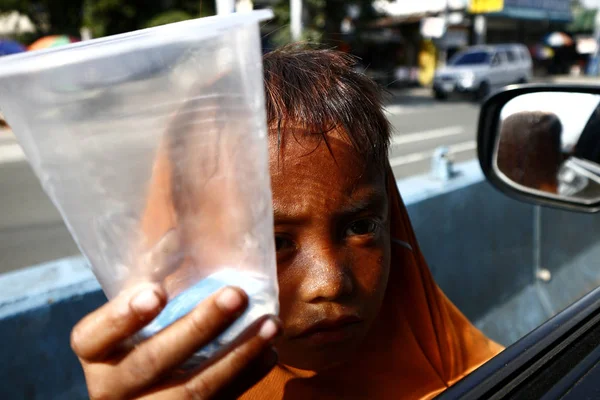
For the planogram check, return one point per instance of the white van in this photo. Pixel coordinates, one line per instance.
(480, 69)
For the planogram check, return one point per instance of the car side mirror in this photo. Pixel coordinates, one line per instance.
(541, 144)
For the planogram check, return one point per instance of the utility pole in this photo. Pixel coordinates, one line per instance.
(595, 59)
(244, 6)
(225, 7)
(478, 10)
(296, 19)
(479, 28)
(443, 52)
(229, 6)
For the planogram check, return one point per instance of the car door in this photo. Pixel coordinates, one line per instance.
(507, 69)
(498, 72)
(512, 67)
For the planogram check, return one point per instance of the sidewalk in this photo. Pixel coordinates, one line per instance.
(421, 91)
(6, 135)
(569, 80)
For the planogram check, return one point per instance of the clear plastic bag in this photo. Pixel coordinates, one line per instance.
(152, 145)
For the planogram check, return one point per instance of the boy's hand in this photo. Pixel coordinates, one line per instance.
(114, 370)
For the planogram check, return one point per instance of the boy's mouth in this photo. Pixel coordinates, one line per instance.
(329, 330)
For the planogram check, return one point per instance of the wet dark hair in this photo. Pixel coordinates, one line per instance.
(319, 91)
(529, 150)
(314, 89)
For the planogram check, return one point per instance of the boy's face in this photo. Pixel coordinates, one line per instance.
(333, 247)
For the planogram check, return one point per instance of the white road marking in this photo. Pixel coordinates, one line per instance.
(416, 157)
(427, 135)
(11, 153)
(395, 109)
(465, 146)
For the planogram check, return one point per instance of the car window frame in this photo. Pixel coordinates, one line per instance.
(516, 56)
(466, 52)
(496, 60)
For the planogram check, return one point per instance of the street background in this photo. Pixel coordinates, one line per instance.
(502, 262)
(32, 232)
(400, 43)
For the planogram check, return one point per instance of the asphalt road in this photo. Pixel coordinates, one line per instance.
(32, 232)
(421, 125)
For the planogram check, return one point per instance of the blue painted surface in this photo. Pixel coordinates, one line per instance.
(477, 241)
(420, 188)
(51, 282)
(478, 244)
(570, 249)
(37, 359)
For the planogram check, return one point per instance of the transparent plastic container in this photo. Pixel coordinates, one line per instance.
(152, 145)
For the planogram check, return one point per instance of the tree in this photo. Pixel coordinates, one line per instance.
(169, 17)
(105, 17)
(313, 24)
(323, 20)
(109, 17)
(204, 10)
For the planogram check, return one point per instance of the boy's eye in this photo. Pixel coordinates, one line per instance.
(283, 243)
(362, 227)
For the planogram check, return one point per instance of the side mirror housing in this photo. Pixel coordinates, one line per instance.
(541, 144)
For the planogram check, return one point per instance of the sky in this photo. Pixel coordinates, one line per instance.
(591, 3)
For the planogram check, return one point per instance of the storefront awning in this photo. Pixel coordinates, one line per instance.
(550, 10)
(404, 8)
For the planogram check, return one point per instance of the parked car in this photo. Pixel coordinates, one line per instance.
(478, 70)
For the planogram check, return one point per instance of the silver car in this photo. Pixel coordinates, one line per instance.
(478, 70)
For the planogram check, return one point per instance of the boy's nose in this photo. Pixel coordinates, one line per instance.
(326, 279)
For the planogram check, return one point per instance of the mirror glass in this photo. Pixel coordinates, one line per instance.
(549, 143)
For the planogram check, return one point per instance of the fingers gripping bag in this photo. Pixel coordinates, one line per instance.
(152, 145)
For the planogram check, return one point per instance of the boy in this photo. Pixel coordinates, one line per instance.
(361, 316)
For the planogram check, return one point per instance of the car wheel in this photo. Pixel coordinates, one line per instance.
(439, 95)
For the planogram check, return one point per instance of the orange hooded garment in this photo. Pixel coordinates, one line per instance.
(419, 345)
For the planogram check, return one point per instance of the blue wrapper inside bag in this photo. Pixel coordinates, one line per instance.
(261, 303)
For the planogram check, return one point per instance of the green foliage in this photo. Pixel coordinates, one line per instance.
(313, 27)
(322, 19)
(583, 21)
(105, 17)
(169, 17)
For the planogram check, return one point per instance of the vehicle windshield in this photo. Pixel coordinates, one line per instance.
(375, 222)
(471, 58)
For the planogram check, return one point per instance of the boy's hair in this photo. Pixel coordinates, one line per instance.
(320, 90)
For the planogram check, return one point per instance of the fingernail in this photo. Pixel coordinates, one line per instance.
(145, 301)
(268, 330)
(229, 300)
